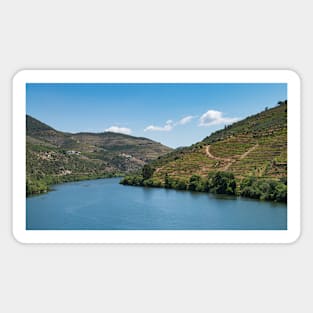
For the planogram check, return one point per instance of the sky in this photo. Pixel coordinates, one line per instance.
(174, 114)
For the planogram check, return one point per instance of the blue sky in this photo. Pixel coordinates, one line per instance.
(173, 114)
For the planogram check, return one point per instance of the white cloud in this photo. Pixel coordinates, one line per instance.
(212, 117)
(167, 127)
(117, 129)
(185, 120)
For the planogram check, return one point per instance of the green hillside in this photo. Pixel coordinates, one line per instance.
(251, 153)
(53, 156)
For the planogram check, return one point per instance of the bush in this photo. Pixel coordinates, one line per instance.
(250, 192)
(157, 183)
(197, 183)
(281, 192)
(264, 189)
(194, 182)
(180, 185)
(202, 186)
(148, 183)
(135, 180)
(222, 183)
(168, 181)
(35, 187)
(126, 180)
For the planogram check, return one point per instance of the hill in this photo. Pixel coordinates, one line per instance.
(248, 158)
(53, 156)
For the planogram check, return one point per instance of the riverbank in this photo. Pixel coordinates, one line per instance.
(43, 185)
(216, 183)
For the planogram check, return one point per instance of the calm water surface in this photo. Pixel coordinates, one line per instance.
(105, 204)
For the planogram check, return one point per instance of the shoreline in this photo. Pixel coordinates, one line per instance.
(48, 186)
(235, 196)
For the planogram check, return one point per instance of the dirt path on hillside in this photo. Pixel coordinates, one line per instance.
(229, 161)
(248, 152)
(211, 156)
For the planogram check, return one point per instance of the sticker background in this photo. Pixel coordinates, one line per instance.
(163, 34)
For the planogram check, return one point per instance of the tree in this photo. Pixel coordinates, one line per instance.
(147, 171)
(137, 180)
(282, 102)
(194, 182)
(167, 183)
(281, 192)
(180, 185)
(252, 187)
(148, 183)
(223, 183)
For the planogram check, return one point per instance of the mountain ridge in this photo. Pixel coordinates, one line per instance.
(53, 156)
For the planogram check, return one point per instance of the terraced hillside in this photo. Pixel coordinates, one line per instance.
(53, 156)
(253, 148)
(245, 148)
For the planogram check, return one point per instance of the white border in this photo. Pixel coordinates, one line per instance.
(155, 76)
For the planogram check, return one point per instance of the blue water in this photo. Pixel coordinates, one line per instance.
(105, 204)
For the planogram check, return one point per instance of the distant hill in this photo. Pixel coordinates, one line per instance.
(252, 152)
(53, 156)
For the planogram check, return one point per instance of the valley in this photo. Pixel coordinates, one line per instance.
(53, 156)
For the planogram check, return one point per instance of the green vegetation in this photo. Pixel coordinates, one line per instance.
(54, 157)
(247, 158)
(197, 183)
(147, 171)
(37, 186)
(219, 183)
(264, 189)
(222, 183)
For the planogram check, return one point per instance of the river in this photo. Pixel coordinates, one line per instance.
(104, 204)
